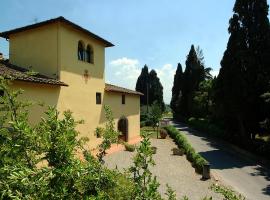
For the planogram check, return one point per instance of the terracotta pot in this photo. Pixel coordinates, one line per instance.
(154, 149)
(163, 134)
(178, 152)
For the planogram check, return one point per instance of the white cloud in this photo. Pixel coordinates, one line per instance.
(166, 76)
(125, 71)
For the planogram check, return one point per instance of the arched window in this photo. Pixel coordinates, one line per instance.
(89, 54)
(80, 51)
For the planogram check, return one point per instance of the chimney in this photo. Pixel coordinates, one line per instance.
(1, 56)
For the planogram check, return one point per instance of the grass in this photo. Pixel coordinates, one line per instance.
(152, 132)
(167, 115)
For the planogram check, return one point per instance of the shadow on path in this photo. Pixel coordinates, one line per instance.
(221, 156)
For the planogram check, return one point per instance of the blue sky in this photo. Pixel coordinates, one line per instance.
(158, 33)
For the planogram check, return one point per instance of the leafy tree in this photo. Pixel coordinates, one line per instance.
(244, 73)
(146, 186)
(170, 193)
(155, 115)
(203, 99)
(40, 162)
(177, 85)
(108, 134)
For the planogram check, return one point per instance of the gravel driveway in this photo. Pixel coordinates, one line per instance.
(233, 168)
(174, 170)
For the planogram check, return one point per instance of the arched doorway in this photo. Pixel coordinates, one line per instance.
(123, 128)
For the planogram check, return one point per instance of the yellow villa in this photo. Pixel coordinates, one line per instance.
(70, 63)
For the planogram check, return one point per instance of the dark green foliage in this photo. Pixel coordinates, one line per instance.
(193, 75)
(152, 117)
(177, 87)
(150, 85)
(196, 159)
(206, 126)
(203, 99)
(142, 84)
(244, 74)
(155, 90)
(155, 114)
(189, 84)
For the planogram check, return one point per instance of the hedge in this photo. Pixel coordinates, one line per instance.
(206, 126)
(196, 159)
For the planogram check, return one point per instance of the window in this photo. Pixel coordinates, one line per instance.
(123, 99)
(80, 51)
(89, 54)
(98, 98)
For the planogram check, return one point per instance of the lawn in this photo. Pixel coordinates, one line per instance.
(151, 131)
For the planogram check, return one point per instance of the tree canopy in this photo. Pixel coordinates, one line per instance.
(244, 74)
(150, 85)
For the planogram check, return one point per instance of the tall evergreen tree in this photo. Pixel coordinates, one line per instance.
(150, 85)
(155, 90)
(142, 84)
(245, 68)
(193, 75)
(176, 90)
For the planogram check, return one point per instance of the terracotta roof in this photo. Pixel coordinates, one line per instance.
(54, 20)
(114, 88)
(9, 70)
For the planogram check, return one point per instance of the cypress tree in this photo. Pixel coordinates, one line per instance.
(245, 67)
(176, 90)
(155, 90)
(193, 75)
(150, 85)
(142, 84)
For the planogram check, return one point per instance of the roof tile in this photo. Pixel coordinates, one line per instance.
(114, 88)
(9, 70)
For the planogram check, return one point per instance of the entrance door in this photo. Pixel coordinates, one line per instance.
(123, 129)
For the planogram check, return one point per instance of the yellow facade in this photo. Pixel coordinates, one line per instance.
(52, 50)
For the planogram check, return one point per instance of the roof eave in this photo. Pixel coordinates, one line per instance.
(6, 34)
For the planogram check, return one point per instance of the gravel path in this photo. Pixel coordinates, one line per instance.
(232, 168)
(174, 170)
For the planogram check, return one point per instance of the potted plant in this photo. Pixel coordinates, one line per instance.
(178, 152)
(163, 133)
(129, 147)
(154, 149)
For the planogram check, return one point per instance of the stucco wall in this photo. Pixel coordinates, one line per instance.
(36, 48)
(37, 93)
(53, 49)
(80, 96)
(130, 110)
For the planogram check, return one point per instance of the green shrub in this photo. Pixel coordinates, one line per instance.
(206, 126)
(226, 192)
(129, 147)
(196, 159)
